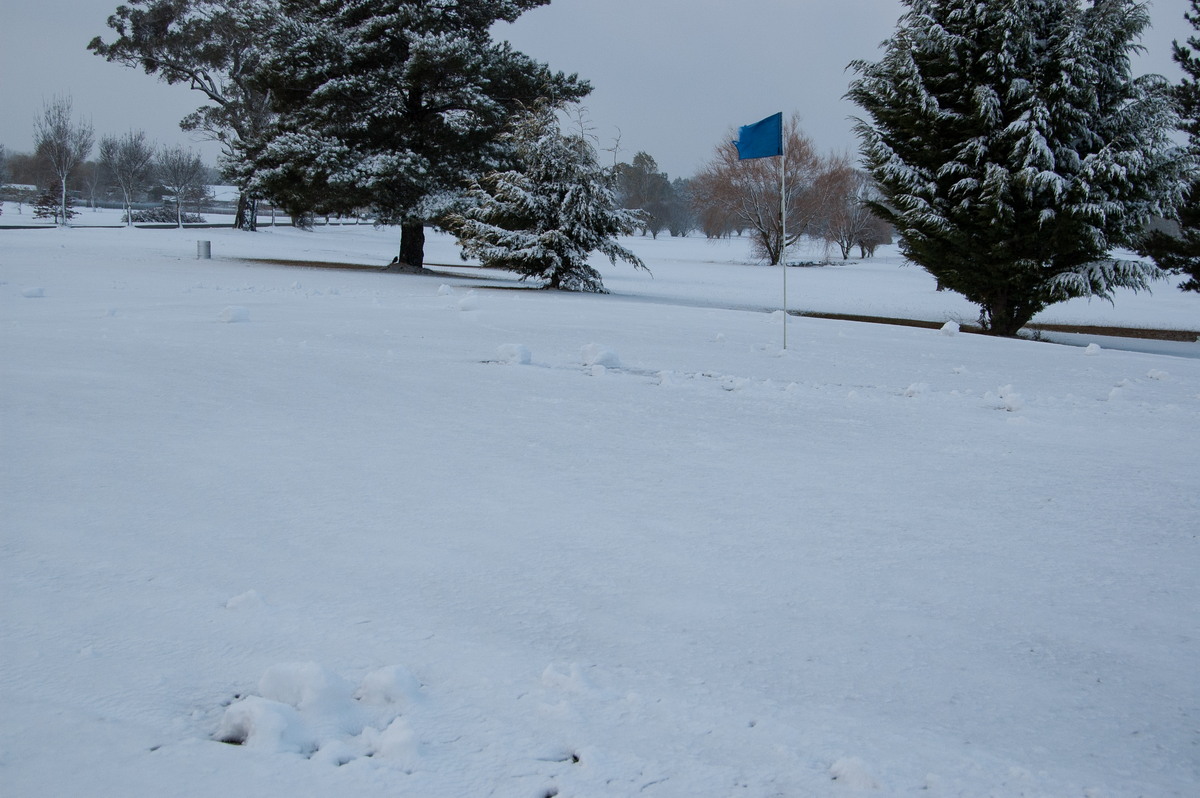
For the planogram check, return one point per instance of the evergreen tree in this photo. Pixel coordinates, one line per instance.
(544, 218)
(392, 105)
(1180, 254)
(54, 205)
(1013, 149)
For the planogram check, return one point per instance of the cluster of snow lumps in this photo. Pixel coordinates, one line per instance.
(303, 708)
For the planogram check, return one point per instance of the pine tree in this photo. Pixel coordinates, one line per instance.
(1180, 254)
(392, 105)
(54, 205)
(1013, 149)
(543, 219)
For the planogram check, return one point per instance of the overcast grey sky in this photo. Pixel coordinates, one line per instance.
(672, 76)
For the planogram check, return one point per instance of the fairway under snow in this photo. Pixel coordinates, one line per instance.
(424, 536)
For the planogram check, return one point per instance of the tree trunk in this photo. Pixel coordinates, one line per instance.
(66, 221)
(247, 213)
(412, 249)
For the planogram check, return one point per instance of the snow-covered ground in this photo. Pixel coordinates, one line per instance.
(419, 536)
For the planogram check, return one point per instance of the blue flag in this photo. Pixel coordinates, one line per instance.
(763, 139)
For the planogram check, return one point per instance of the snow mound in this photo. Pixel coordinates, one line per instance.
(33, 293)
(1010, 400)
(394, 684)
(515, 354)
(916, 389)
(234, 313)
(950, 328)
(445, 290)
(247, 600)
(1092, 350)
(852, 772)
(271, 726)
(1157, 374)
(597, 355)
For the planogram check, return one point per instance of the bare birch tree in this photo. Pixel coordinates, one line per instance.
(63, 144)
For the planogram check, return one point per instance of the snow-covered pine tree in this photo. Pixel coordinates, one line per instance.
(1180, 254)
(1014, 150)
(544, 218)
(393, 105)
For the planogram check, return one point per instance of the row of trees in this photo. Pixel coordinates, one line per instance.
(826, 200)
(1007, 143)
(129, 163)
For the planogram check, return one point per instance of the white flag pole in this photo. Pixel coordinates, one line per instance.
(783, 227)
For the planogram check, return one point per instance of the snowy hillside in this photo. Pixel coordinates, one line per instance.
(423, 536)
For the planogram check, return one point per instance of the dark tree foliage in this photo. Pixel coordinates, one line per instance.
(392, 106)
(1014, 150)
(1180, 254)
(214, 47)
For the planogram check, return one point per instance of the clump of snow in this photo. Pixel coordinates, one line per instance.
(1157, 374)
(852, 772)
(515, 354)
(950, 328)
(1010, 400)
(597, 355)
(33, 293)
(469, 302)
(247, 600)
(394, 684)
(235, 313)
(1092, 350)
(445, 290)
(916, 389)
(271, 726)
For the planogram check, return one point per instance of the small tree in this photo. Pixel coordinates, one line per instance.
(545, 218)
(740, 194)
(130, 160)
(1014, 149)
(64, 144)
(1180, 254)
(51, 204)
(180, 171)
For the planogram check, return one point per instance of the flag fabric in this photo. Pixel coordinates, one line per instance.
(763, 139)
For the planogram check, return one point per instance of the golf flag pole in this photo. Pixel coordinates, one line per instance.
(764, 139)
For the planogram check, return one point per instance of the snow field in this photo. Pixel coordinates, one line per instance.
(665, 558)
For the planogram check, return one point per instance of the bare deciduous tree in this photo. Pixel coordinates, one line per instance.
(63, 144)
(130, 159)
(181, 172)
(851, 222)
(745, 194)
